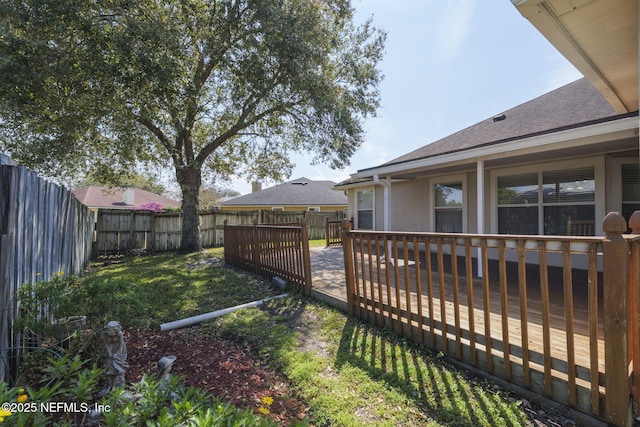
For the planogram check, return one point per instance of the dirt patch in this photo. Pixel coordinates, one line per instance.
(308, 337)
(218, 366)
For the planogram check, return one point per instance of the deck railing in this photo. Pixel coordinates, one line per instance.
(333, 232)
(271, 250)
(562, 332)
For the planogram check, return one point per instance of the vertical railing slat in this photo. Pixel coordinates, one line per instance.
(432, 321)
(487, 305)
(456, 297)
(568, 317)
(546, 334)
(470, 302)
(416, 249)
(443, 297)
(372, 311)
(407, 284)
(504, 309)
(594, 356)
(524, 318)
(396, 282)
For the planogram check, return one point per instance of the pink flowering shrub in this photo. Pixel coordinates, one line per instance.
(151, 206)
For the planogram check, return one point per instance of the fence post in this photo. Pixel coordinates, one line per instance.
(347, 249)
(326, 230)
(618, 408)
(224, 238)
(634, 306)
(634, 222)
(256, 247)
(306, 257)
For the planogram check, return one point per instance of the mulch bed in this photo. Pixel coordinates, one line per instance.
(221, 367)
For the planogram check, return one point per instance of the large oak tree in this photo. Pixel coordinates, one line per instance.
(223, 87)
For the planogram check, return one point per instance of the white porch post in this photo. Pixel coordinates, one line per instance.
(386, 197)
(387, 203)
(386, 186)
(480, 208)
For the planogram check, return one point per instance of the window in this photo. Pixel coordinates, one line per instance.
(630, 189)
(313, 209)
(365, 209)
(518, 204)
(554, 196)
(568, 194)
(277, 208)
(448, 207)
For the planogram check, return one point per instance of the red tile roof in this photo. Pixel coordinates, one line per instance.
(94, 196)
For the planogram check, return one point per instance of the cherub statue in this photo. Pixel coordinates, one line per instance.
(115, 364)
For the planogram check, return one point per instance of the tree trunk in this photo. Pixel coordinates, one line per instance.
(190, 180)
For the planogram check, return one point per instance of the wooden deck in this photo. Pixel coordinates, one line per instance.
(327, 265)
(495, 306)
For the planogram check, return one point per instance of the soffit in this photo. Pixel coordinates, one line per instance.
(599, 37)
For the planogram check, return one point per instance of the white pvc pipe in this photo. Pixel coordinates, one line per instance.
(212, 315)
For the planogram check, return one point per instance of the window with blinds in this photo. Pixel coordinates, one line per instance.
(448, 207)
(554, 196)
(630, 189)
(365, 209)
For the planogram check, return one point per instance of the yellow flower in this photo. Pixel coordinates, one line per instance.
(4, 414)
(263, 410)
(267, 400)
(22, 398)
(60, 273)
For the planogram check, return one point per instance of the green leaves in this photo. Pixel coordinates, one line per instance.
(123, 78)
(230, 87)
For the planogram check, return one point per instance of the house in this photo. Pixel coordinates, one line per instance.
(566, 157)
(296, 195)
(96, 197)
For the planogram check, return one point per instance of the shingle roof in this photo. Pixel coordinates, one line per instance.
(298, 192)
(572, 105)
(95, 196)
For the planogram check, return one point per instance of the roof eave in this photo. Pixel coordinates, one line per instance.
(576, 136)
(552, 19)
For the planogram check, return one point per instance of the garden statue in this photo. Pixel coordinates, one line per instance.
(115, 364)
(164, 366)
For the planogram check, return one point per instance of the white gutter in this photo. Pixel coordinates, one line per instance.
(212, 315)
(582, 136)
(386, 184)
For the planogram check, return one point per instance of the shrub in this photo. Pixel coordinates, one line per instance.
(151, 206)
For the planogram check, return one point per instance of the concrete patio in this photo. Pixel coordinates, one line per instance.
(327, 269)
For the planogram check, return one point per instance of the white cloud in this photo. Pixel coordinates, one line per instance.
(453, 26)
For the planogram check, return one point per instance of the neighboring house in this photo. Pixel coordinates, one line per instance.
(296, 195)
(566, 157)
(96, 197)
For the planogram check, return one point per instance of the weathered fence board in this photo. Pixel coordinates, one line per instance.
(44, 230)
(122, 231)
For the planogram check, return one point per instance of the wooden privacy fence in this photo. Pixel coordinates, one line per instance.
(566, 334)
(44, 230)
(271, 250)
(120, 231)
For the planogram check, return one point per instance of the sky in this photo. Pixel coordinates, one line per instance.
(448, 64)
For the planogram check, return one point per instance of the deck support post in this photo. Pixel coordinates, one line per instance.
(306, 257)
(618, 407)
(347, 248)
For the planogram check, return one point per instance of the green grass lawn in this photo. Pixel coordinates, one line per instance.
(349, 373)
(353, 374)
(147, 291)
